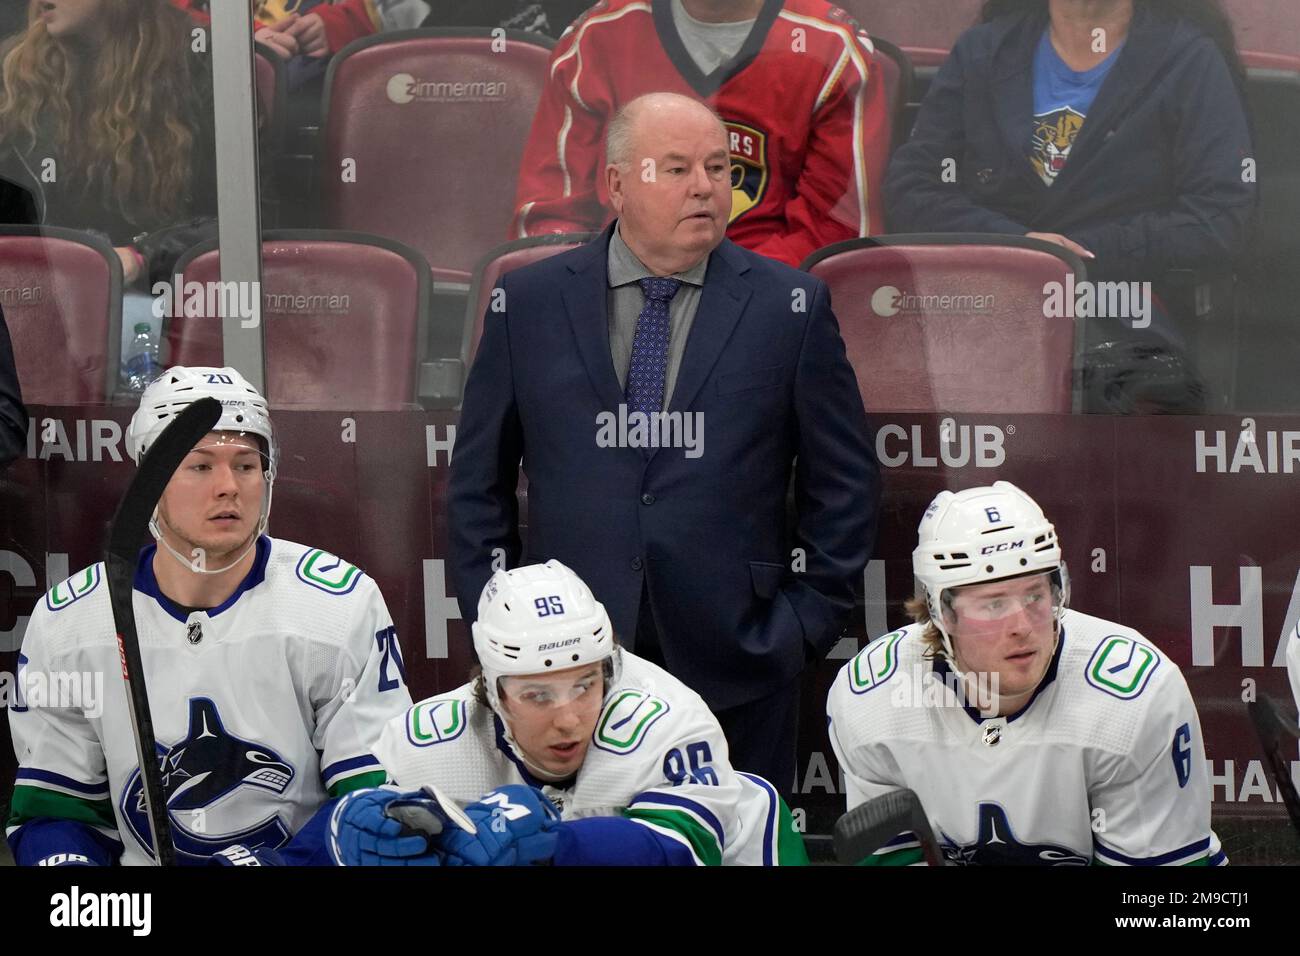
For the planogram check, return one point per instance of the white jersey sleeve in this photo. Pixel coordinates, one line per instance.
(62, 770)
(363, 691)
(1151, 805)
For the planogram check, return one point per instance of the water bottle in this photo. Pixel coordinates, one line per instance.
(141, 359)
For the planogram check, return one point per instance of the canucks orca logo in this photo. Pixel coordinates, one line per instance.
(212, 780)
(996, 845)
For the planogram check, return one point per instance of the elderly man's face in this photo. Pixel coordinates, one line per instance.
(674, 197)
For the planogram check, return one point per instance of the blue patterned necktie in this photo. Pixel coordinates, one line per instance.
(649, 369)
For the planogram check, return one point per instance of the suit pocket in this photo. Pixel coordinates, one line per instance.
(766, 578)
(750, 379)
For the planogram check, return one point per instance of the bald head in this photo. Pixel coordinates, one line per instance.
(668, 175)
(653, 111)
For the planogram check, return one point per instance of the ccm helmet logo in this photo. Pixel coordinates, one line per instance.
(1004, 546)
(556, 645)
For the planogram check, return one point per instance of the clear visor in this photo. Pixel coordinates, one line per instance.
(543, 692)
(1037, 596)
(239, 455)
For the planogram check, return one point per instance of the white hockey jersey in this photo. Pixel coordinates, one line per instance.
(1105, 764)
(657, 756)
(262, 707)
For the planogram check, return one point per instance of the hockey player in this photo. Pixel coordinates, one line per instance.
(271, 666)
(1085, 746)
(566, 749)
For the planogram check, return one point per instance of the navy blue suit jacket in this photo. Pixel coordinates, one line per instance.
(766, 370)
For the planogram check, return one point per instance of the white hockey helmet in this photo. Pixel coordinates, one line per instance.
(982, 535)
(243, 411)
(540, 618)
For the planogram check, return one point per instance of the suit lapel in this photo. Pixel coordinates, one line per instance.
(586, 299)
(722, 300)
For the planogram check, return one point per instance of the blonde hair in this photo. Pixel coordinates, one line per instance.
(919, 611)
(120, 123)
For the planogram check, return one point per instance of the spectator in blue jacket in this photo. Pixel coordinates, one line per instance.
(1114, 128)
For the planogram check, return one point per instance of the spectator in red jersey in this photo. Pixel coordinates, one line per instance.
(793, 80)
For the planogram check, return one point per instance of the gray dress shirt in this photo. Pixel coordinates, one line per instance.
(625, 301)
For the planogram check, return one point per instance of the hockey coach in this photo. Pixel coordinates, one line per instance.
(659, 385)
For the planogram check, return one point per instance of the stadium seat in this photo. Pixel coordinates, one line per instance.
(1270, 339)
(506, 258)
(954, 323)
(925, 29)
(435, 122)
(269, 79)
(1266, 26)
(896, 68)
(62, 297)
(343, 319)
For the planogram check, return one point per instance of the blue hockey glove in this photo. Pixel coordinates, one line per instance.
(517, 826)
(362, 833)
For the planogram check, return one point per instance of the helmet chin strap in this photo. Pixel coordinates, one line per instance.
(155, 528)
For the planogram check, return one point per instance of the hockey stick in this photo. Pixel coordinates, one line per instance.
(129, 532)
(1276, 731)
(868, 827)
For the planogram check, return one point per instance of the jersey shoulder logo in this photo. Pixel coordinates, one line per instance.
(328, 572)
(1122, 666)
(73, 589)
(436, 721)
(627, 719)
(875, 663)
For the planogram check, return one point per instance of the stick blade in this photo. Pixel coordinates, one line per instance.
(1279, 737)
(131, 522)
(869, 826)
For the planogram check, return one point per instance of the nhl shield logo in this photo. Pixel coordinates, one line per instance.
(992, 735)
(194, 632)
(748, 149)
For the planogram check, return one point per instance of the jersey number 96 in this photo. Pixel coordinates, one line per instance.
(693, 768)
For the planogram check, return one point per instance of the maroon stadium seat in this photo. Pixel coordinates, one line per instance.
(343, 319)
(62, 297)
(506, 258)
(269, 79)
(896, 68)
(925, 29)
(988, 349)
(1267, 26)
(435, 166)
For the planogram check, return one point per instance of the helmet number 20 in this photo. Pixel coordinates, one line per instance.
(546, 606)
(698, 757)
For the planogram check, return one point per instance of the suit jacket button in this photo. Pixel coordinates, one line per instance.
(636, 564)
(647, 499)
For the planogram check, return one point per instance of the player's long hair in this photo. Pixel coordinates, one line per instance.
(919, 611)
(1208, 15)
(121, 120)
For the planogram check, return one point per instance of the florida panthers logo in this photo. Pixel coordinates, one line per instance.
(215, 784)
(996, 845)
(1054, 135)
(748, 149)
